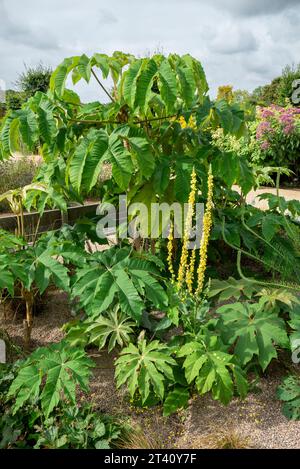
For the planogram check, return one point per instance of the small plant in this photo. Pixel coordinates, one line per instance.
(112, 328)
(289, 393)
(145, 368)
(207, 364)
(39, 405)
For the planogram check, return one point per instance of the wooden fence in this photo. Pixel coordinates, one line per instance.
(50, 220)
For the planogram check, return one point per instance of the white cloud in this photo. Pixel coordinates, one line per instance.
(242, 42)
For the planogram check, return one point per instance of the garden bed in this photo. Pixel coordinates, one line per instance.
(256, 422)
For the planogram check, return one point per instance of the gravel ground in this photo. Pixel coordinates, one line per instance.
(256, 422)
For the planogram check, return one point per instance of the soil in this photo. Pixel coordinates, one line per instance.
(256, 422)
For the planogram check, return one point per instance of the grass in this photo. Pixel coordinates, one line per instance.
(222, 439)
(138, 439)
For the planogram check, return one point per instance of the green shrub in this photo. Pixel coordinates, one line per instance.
(24, 420)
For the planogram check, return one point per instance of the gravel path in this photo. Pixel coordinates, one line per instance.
(257, 421)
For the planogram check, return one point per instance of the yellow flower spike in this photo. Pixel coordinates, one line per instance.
(187, 231)
(182, 122)
(207, 224)
(192, 122)
(190, 272)
(170, 252)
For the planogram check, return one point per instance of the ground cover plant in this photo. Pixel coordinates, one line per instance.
(154, 301)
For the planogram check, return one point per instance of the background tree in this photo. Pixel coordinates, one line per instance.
(279, 91)
(34, 79)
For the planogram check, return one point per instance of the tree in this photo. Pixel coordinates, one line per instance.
(268, 94)
(289, 75)
(34, 79)
(280, 90)
(14, 100)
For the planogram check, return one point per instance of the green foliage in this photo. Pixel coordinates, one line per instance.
(253, 331)
(176, 399)
(145, 368)
(231, 288)
(157, 126)
(77, 428)
(34, 79)
(70, 425)
(112, 328)
(212, 369)
(116, 273)
(78, 140)
(289, 393)
(34, 267)
(50, 374)
(14, 100)
(280, 90)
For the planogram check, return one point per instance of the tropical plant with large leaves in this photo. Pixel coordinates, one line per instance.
(27, 269)
(253, 330)
(49, 375)
(145, 368)
(112, 328)
(209, 366)
(137, 132)
(118, 274)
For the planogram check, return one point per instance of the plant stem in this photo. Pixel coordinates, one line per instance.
(104, 89)
(28, 321)
(277, 184)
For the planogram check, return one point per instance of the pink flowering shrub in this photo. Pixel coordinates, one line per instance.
(278, 137)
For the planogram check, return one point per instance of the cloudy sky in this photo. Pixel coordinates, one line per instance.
(245, 43)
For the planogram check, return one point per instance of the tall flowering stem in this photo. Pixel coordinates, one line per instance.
(187, 231)
(207, 224)
(170, 253)
(190, 272)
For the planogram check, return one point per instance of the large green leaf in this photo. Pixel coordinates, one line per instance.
(253, 330)
(28, 127)
(130, 82)
(212, 369)
(122, 166)
(144, 84)
(167, 85)
(50, 374)
(145, 368)
(114, 273)
(86, 163)
(141, 150)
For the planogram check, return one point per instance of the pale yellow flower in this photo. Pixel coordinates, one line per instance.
(207, 224)
(190, 272)
(187, 231)
(170, 253)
